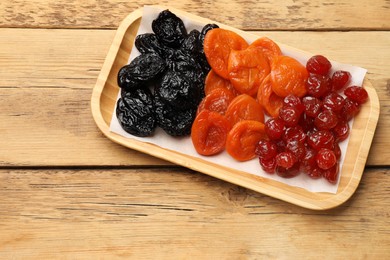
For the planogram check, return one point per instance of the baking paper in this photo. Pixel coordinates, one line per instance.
(184, 144)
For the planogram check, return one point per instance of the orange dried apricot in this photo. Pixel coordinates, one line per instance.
(269, 48)
(247, 68)
(217, 100)
(243, 138)
(244, 107)
(288, 76)
(209, 132)
(217, 46)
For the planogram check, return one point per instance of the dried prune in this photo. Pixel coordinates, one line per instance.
(147, 43)
(135, 112)
(178, 90)
(205, 29)
(192, 44)
(141, 71)
(169, 29)
(201, 56)
(173, 121)
(188, 65)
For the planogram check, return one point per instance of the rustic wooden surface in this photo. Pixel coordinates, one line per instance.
(68, 192)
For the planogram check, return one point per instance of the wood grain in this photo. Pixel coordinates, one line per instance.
(122, 213)
(247, 15)
(63, 65)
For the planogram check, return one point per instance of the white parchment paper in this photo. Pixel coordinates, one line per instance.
(184, 144)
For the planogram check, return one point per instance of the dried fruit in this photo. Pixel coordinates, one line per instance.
(247, 69)
(340, 79)
(318, 64)
(244, 107)
(209, 132)
(243, 138)
(288, 76)
(135, 112)
(357, 94)
(218, 43)
(169, 29)
(142, 71)
(325, 158)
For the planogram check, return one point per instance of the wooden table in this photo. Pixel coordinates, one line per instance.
(66, 191)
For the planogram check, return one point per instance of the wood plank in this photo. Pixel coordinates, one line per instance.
(264, 15)
(55, 70)
(121, 213)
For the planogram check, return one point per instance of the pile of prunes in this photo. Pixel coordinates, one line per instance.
(165, 83)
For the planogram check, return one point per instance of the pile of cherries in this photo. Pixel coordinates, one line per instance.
(306, 135)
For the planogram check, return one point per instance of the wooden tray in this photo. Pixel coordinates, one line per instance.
(103, 102)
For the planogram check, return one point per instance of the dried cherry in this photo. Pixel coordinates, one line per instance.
(318, 64)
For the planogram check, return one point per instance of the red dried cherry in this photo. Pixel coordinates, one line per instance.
(337, 151)
(312, 105)
(325, 158)
(268, 165)
(340, 79)
(333, 101)
(357, 94)
(349, 110)
(294, 133)
(285, 159)
(274, 128)
(308, 162)
(331, 175)
(307, 123)
(315, 173)
(321, 139)
(294, 101)
(297, 149)
(289, 115)
(266, 149)
(326, 120)
(288, 172)
(318, 64)
(341, 131)
(318, 85)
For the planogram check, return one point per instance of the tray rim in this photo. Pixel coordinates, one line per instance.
(259, 184)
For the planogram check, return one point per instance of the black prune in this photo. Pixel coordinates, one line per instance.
(143, 70)
(178, 90)
(205, 29)
(174, 122)
(148, 43)
(189, 66)
(192, 44)
(186, 64)
(169, 29)
(135, 112)
(201, 56)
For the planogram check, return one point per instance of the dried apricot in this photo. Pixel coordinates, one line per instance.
(214, 81)
(268, 99)
(242, 139)
(269, 48)
(217, 100)
(209, 132)
(247, 68)
(217, 45)
(288, 76)
(244, 107)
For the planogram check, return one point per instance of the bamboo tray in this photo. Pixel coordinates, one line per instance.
(103, 102)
